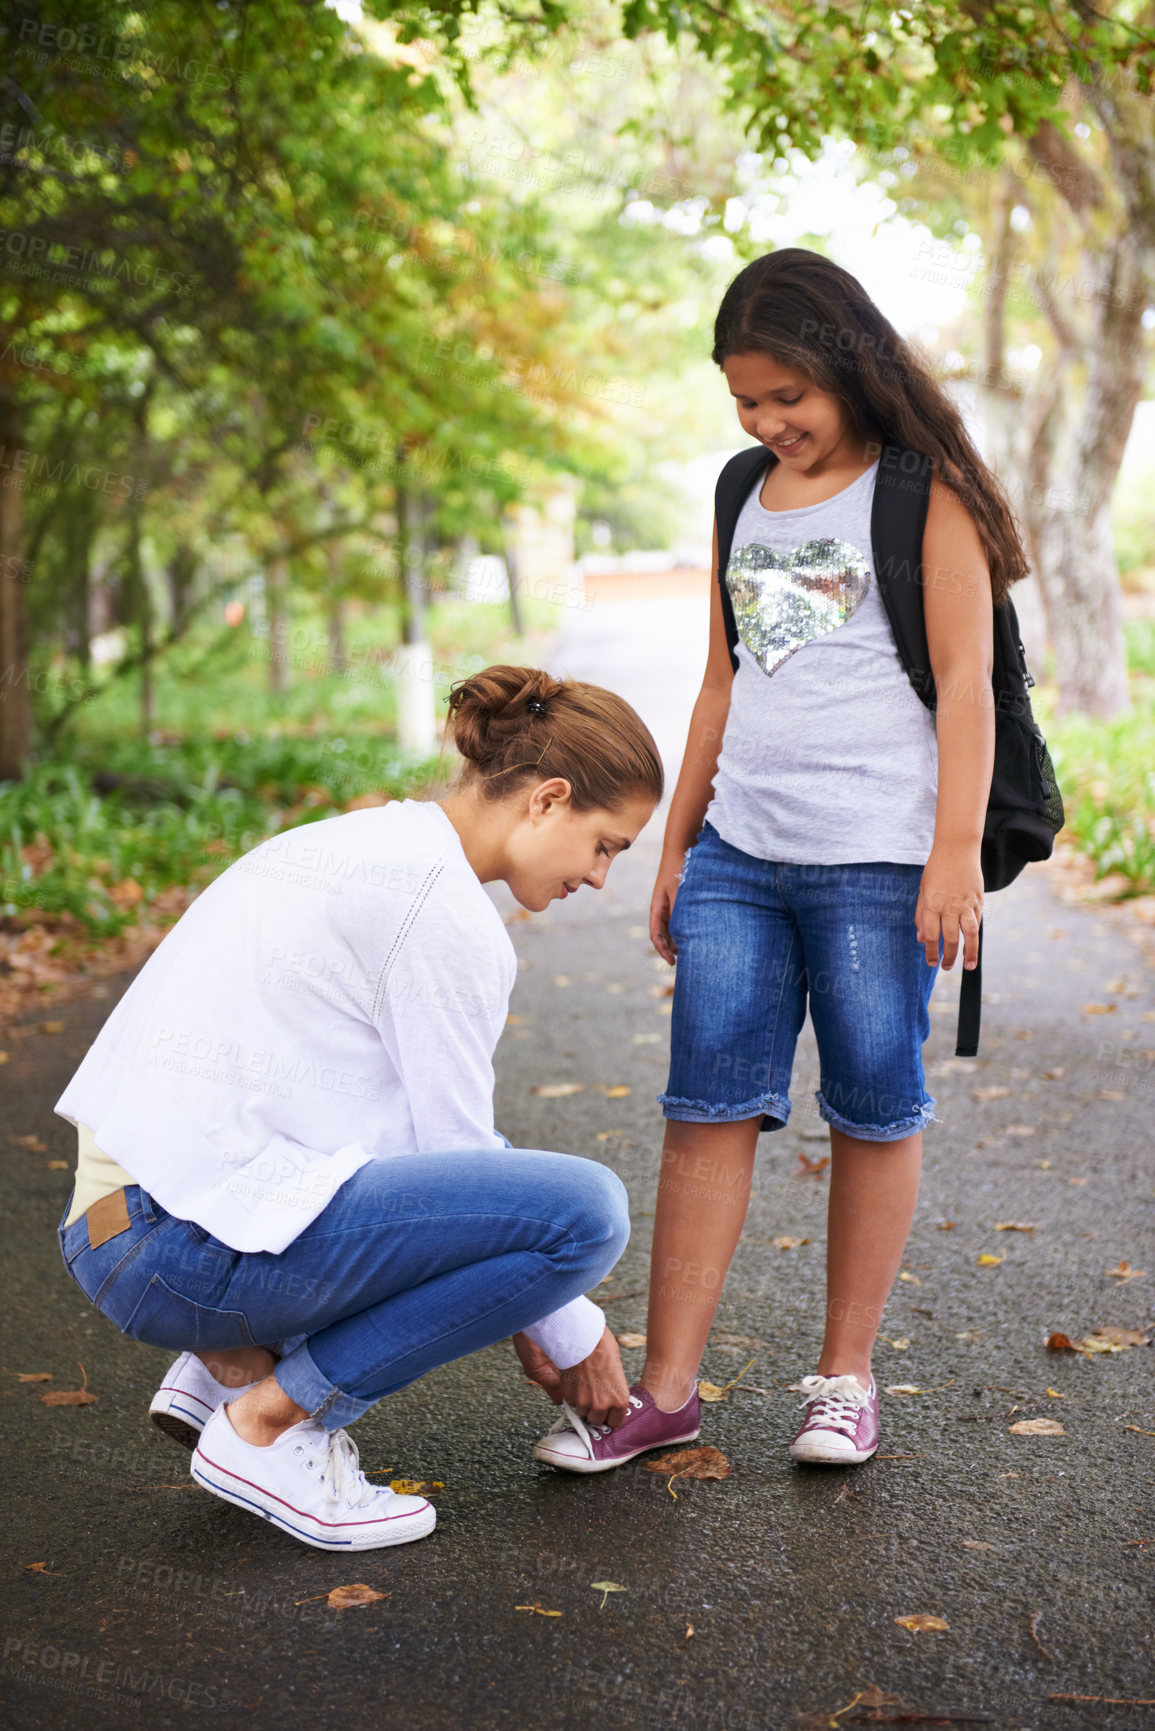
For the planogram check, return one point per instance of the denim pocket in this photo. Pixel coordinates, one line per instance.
(163, 1317)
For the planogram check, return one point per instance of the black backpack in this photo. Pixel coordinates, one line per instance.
(1024, 811)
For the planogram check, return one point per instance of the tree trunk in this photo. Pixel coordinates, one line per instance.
(508, 546)
(15, 708)
(277, 616)
(338, 655)
(410, 558)
(1073, 466)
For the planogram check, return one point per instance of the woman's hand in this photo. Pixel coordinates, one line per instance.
(597, 1388)
(538, 1366)
(950, 905)
(662, 906)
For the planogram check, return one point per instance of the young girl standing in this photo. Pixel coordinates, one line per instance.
(288, 1168)
(823, 843)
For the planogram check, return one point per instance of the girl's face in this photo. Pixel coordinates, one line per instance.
(782, 408)
(554, 849)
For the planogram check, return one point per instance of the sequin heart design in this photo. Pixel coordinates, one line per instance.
(782, 601)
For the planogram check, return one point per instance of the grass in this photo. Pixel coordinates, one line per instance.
(1106, 772)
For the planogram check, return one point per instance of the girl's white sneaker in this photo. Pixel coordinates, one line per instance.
(310, 1484)
(188, 1398)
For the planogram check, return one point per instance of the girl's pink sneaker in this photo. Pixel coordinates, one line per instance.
(582, 1448)
(841, 1427)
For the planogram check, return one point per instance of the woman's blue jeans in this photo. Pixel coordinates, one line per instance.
(417, 1261)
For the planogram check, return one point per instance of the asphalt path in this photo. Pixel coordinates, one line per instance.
(762, 1602)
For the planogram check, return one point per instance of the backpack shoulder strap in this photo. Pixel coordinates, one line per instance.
(898, 519)
(730, 494)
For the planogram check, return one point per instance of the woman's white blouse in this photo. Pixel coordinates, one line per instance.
(334, 997)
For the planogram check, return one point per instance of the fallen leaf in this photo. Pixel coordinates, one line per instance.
(1016, 1226)
(698, 1463)
(977, 1545)
(58, 1165)
(910, 1279)
(415, 1487)
(31, 1375)
(1062, 1343)
(709, 1391)
(3, 1057)
(1099, 1009)
(512, 1021)
(1038, 1427)
(1138, 1431)
(631, 1340)
(72, 1396)
(1111, 1094)
(605, 1588)
(1122, 1337)
(608, 1135)
(808, 1168)
(1021, 1129)
(618, 1092)
(557, 1090)
(40, 1569)
(1053, 1394)
(989, 1093)
(901, 1344)
(986, 1260)
(1055, 1075)
(32, 1143)
(537, 1607)
(789, 1243)
(52, 1027)
(342, 1598)
(661, 991)
(561, 979)
(946, 1225)
(1125, 1272)
(909, 1388)
(922, 1620)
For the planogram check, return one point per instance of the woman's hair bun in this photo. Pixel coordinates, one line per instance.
(515, 724)
(496, 704)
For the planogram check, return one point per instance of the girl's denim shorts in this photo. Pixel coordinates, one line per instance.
(757, 941)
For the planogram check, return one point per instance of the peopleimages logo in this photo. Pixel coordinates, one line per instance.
(89, 1673)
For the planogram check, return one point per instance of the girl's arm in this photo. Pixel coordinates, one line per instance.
(699, 767)
(960, 634)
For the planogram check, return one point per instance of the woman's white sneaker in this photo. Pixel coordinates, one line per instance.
(309, 1484)
(188, 1398)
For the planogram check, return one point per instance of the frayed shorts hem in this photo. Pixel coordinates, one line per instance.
(775, 1106)
(878, 1132)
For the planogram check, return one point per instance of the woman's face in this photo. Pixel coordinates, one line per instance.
(784, 410)
(554, 849)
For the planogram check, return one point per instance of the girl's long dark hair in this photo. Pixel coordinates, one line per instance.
(807, 312)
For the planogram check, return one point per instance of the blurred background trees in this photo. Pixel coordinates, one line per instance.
(305, 310)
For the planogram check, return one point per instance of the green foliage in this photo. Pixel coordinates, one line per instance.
(1106, 771)
(162, 816)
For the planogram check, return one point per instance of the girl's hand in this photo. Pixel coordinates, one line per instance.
(597, 1387)
(538, 1366)
(662, 906)
(950, 905)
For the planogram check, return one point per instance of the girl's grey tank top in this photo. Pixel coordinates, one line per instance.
(829, 757)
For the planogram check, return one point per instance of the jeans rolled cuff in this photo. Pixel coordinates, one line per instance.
(705, 1112)
(909, 1126)
(298, 1377)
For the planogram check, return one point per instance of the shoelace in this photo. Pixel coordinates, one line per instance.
(570, 1420)
(835, 1401)
(342, 1473)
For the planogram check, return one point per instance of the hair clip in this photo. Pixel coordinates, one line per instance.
(535, 706)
